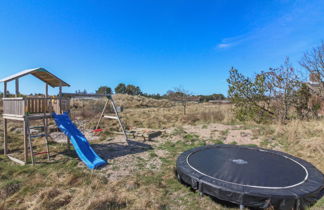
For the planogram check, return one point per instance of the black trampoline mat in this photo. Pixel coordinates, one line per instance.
(248, 167)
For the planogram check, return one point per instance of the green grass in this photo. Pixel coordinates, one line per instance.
(217, 141)
(319, 204)
(250, 145)
(178, 131)
(224, 132)
(152, 154)
(204, 126)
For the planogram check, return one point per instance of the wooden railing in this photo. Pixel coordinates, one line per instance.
(37, 105)
(34, 105)
(14, 106)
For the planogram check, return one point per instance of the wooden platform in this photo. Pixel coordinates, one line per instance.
(29, 117)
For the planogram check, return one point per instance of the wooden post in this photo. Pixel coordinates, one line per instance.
(60, 99)
(46, 90)
(46, 101)
(17, 87)
(5, 126)
(61, 112)
(46, 121)
(5, 89)
(5, 135)
(25, 140)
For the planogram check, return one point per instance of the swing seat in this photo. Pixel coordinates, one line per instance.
(97, 130)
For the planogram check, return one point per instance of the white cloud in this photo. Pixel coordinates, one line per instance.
(280, 28)
(232, 41)
(224, 45)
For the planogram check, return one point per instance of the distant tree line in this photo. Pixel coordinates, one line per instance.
(206, 98)
(121, 88)
(81, 91)
(177, 94)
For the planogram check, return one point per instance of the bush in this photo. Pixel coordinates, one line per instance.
(129, 89)
(104, 90)
(276, 94)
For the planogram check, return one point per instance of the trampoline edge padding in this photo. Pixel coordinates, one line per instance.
(296, 196)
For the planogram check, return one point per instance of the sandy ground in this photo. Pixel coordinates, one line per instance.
(124, 158)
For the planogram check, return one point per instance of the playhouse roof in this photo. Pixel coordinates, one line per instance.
(41, 74)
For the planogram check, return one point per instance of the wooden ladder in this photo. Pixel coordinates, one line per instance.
(113, 117)
(30, 137)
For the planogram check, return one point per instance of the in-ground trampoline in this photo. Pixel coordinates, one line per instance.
(251, 176)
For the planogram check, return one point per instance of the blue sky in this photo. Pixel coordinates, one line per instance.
(157, 45)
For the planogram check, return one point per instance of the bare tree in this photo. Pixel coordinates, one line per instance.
(313, 62)
(180, 95)
(285, 82)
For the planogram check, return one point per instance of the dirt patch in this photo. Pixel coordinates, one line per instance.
(241, 137)
(210, 131)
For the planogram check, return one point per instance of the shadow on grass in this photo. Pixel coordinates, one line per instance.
(115, 150)
(107, 151)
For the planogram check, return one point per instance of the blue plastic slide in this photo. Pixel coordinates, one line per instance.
(80, 143)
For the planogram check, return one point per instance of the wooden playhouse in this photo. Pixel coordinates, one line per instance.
(25, 109)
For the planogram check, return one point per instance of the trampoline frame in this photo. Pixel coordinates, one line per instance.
(295, 196)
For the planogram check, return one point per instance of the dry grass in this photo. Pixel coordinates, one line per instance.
(127, 101)
(303, 139)
(87, 112)
(173, 116)
(65, 183)
(157, 114)
(141, 102)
